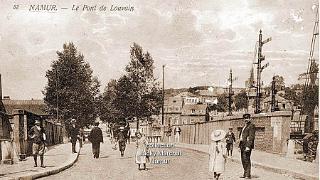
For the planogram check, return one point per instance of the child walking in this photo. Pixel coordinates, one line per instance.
(217, 152)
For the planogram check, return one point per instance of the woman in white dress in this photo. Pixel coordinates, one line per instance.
(142, 150)
(217, 153)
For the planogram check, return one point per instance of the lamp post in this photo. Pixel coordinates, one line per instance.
(230, 81)
(162, 113)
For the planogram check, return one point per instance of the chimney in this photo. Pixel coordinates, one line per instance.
(0, 89)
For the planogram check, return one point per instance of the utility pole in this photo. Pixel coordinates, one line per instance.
(230, 80)
(0, 88)
(162, 113)
(259, 70)
(311, 77)
(273, 94)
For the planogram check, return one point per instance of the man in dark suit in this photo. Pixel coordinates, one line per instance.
(74, 135)
(95, 137)
(122, 140)
(247, 136)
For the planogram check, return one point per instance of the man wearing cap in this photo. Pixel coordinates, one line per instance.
(230, 139)
(37, 135)
(74, 135)
(95, 137)
(247, 136)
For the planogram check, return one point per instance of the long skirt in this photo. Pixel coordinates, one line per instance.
(141, 156)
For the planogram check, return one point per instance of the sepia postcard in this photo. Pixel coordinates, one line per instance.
(172, 89)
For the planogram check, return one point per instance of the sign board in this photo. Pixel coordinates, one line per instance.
(267, 40)
(264, 66)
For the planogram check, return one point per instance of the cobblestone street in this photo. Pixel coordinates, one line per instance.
(191, 165)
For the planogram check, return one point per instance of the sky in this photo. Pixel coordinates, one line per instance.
(198, 41)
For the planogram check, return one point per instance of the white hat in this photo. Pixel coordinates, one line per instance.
(218, 135)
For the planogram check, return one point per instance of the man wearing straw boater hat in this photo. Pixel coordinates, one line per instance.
(38, 137)
(247, 136)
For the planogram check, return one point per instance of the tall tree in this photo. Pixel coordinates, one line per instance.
(146, 98)
(71, 90)
(222, 104)
(125, 97)
(279, 83)
(108, 111)
(137, 93)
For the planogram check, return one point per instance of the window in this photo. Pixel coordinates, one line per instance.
(193, 111)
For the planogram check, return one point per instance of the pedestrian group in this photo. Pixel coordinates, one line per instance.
(220, 148)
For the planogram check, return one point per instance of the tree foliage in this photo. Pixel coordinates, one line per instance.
(72, 88)
(241, 100)
(222, 104)
(310, 98)
(108, 112)
(136, 94)
(294, 94)
(279, 83)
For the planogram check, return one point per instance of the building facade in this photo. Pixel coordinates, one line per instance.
(194, 113)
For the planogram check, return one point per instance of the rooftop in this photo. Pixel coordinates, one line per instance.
(33, 106)
(199, 109)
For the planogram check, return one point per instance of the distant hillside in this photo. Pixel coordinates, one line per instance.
(173, 92)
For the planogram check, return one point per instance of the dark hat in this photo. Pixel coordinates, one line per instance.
(246, 116)
(230, 128)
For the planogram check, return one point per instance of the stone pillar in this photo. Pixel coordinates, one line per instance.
(8, 155)
(17, 134)
(280, 123)
(291, 147)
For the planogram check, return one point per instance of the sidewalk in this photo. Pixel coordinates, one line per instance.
(57, 159)
(268, 161)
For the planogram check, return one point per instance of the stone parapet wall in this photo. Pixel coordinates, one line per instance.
(272, 130)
